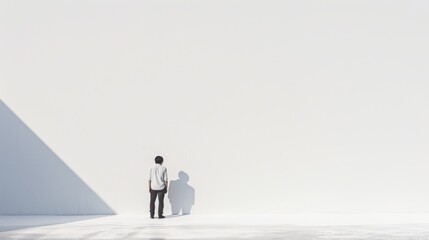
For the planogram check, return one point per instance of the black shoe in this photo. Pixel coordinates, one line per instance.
(161, 216)
(151, 216)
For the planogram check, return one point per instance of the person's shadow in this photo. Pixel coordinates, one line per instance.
(181, 195)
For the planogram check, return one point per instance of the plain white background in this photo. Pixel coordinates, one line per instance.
(269, 106)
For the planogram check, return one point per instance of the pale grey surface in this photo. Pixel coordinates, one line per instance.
(140, 227)
(322, 105)
(34, 179)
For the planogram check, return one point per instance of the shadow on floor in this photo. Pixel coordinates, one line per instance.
(15, 222)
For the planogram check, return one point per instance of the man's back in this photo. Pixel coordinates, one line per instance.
(158, 184)
(158, 177)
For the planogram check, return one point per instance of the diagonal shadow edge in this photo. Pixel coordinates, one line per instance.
(34, 180)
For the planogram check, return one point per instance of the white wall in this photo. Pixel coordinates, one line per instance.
(269, 106)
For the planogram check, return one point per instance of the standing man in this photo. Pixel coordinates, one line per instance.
(158, 183)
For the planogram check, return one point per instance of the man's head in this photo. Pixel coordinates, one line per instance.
(159, 159)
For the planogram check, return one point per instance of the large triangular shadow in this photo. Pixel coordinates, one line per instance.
(34, 180)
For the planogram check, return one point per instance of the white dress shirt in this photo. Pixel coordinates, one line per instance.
(158, 177)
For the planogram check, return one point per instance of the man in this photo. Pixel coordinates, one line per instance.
(158, 183)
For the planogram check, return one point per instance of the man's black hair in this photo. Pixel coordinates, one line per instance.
(159, 159)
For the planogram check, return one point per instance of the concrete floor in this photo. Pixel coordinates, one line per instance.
(290, 227)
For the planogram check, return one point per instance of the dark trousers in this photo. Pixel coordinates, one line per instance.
(160, 194)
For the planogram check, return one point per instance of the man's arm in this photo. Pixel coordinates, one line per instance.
(166, 181)
(150, 177)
